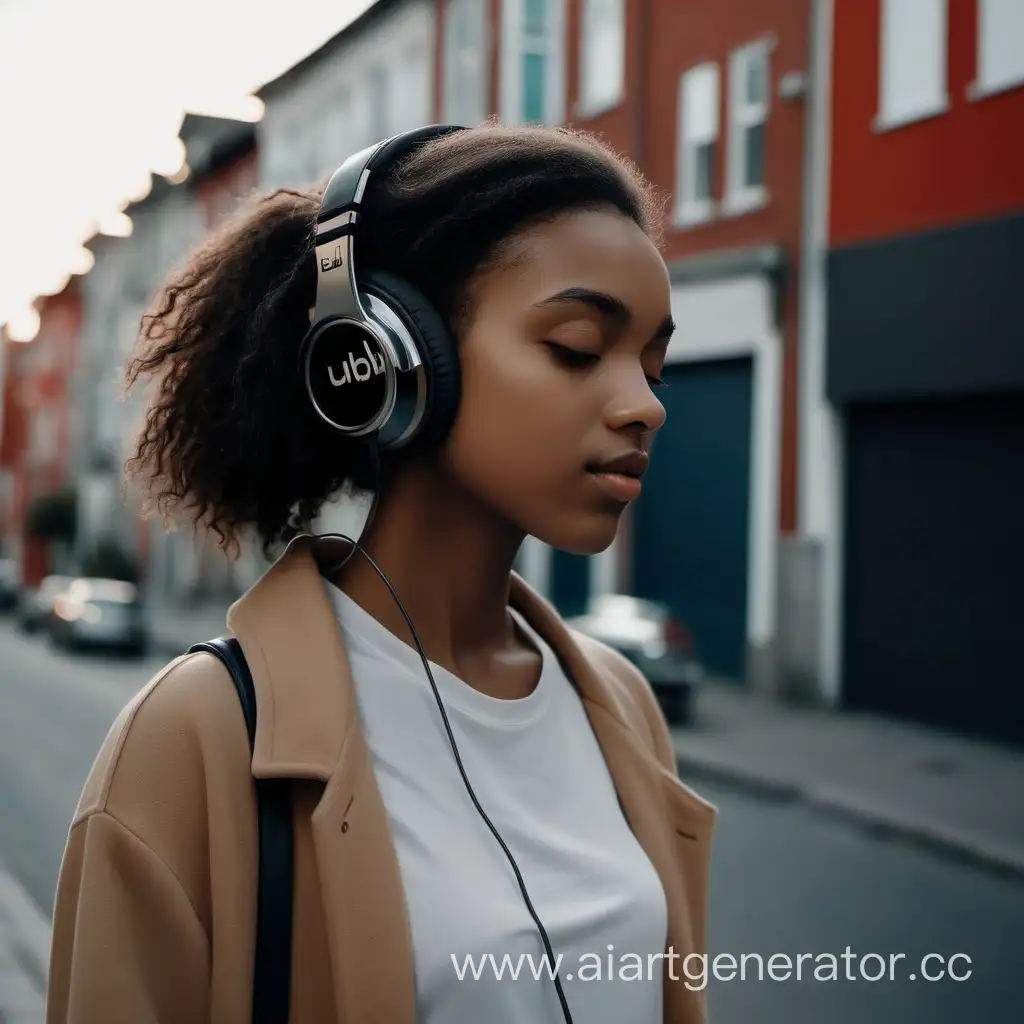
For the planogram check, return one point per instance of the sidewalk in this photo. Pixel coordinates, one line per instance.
(24, 955)
(960, 796)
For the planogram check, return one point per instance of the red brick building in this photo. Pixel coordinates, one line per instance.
(38, 425)
(925, 360)
(708, 101)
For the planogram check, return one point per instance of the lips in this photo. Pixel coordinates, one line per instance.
(620, 477)
(633, 463)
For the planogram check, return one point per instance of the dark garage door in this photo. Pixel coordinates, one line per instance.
(935, 563)
(690, 524)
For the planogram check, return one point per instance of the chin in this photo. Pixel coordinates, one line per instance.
(584, 535)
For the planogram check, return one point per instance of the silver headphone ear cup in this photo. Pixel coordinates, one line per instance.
(348, 372)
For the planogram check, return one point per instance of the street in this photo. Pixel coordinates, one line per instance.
(785, 880)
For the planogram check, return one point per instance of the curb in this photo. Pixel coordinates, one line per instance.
(882, 822)
(26, 931)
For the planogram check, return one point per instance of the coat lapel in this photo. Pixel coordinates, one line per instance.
(307, 727)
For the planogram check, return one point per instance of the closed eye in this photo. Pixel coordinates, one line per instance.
(571, 357)
(575, 359)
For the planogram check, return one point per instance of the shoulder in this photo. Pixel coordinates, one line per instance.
(633, 696)
(183, 723)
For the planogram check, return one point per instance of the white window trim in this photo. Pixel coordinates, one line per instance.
(511, 64)
(587, 106)
(885, 121)
(740, 199)
(983, 87)
(689, 211)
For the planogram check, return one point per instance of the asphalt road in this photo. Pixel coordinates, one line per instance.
(784, 880)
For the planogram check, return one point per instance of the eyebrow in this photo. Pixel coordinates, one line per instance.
(607, 305)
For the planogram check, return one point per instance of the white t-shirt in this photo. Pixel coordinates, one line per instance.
(539, 774)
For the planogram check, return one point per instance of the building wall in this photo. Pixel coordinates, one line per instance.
(682, 34)
(125, 280)
(218, 192)
(754, 248)
(965, 162)
(923, 369)
(39, 375)
(375, 83)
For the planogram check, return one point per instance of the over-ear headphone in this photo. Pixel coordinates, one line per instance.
(377, 360)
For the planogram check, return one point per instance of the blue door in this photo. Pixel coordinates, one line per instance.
(690, 525)
(570, 582)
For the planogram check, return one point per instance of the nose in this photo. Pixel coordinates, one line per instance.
(634, 404)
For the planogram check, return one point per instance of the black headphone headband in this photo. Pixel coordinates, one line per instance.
(340, 209)
(377, 359)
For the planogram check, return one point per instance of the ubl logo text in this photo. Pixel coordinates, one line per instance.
(357, 368)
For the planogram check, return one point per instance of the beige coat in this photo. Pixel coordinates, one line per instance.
(155, 913)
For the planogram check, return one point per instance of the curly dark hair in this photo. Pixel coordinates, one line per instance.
(228, 435)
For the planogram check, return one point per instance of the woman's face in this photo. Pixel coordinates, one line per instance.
(560, 361)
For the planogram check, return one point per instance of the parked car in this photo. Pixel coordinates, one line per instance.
(99, 613)
(36, 603)
(8, 585)
(648, 635)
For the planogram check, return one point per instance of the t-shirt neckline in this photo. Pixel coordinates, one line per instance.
(363, 633)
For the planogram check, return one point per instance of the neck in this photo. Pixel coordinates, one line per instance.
(448, 558)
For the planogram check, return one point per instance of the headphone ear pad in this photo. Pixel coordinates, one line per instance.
(436, 346)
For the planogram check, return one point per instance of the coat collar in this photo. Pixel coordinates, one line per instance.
(287, 627)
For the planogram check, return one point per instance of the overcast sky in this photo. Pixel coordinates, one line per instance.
(91, 95)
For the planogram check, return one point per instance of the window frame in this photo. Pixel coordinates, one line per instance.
(464, 20)
(590, 100)
(986, 84)
(515, 45)
(890, 116)
(690, 210)
(739, 196)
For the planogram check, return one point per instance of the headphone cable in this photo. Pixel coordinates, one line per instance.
(356, 546)
(462, 771)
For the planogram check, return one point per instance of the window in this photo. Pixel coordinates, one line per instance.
(913, 61)
(698, 142)
(748, 112)
(1000, 46)
(532, 83)
(465, 82)
(602, 55)
(534, 68)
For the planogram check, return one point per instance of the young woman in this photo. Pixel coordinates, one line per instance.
(523, 787)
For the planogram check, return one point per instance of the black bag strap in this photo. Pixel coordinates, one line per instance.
(272, 967)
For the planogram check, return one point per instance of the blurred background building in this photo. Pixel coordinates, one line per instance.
(835, 501)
